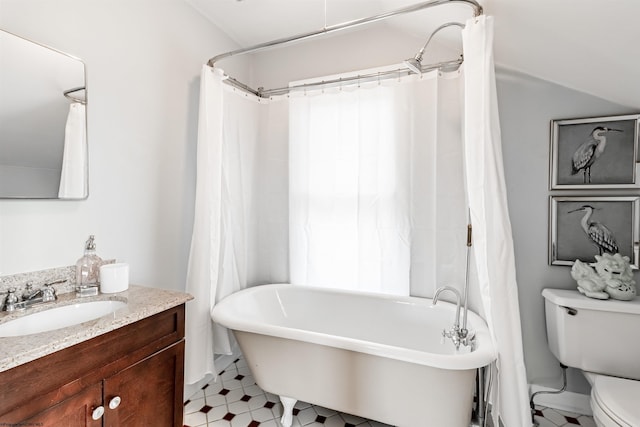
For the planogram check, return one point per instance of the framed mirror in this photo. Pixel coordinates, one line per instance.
(43, 124)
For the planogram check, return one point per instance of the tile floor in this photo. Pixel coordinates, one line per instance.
(549, 417)
(236, 401)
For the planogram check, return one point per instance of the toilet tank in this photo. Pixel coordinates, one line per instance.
(601, 336)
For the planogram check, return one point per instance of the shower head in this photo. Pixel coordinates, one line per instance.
(415, 63)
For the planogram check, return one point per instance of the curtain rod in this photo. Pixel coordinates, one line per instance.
(338, 27)
(67, 94)
(360, 78)
(477, 8)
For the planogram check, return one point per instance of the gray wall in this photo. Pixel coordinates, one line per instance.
(527, 105)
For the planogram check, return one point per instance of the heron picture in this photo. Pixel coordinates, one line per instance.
(583, 227)
(595, 153)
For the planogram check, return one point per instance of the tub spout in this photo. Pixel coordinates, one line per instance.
(456, 334)
(456, 322)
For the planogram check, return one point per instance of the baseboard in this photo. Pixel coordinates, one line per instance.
(221, 362)
(566, 401)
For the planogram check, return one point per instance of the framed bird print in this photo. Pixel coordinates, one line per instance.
(595, 153)
(583, 227)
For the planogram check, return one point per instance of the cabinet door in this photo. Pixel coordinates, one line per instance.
(76, 411)
(148, 393)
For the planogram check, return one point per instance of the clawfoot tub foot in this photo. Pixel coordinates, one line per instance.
(287, 410)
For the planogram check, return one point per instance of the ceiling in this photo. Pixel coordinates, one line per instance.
(589, 45)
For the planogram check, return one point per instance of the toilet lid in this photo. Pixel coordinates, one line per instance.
(618, 398)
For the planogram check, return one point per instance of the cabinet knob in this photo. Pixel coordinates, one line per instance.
(97, 413)
(115, 402)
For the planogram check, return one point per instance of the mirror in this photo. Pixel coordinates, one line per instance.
(43, 143)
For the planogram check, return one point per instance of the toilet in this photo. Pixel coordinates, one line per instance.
(601, 337)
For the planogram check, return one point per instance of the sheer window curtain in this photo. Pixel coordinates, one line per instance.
(376, 204)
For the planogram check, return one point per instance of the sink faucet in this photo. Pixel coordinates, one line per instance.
(30, 296)
(456, 334)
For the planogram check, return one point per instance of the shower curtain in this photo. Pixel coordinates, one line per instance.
(73, 177)
(382, 175)
(233, 216)
(493, 242)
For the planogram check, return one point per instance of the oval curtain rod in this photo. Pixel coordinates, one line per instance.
(67, 94)
(477, 10)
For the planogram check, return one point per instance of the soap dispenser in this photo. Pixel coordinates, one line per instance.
(88, 269)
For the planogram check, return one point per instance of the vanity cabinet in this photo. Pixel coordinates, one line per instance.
(131, 376)
(71, 412)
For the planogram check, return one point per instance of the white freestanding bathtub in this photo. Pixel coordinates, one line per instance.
(379, 357)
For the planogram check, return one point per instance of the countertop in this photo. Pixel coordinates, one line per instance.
(141, 302)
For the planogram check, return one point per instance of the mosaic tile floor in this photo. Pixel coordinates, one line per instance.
(548, 417)
(236, 401)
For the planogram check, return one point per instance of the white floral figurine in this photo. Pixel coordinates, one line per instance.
(589, 282)
(617, 275)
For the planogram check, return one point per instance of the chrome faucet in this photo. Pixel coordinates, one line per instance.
(30, 297)
(456, 334)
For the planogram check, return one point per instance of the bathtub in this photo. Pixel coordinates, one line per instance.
(378, 357)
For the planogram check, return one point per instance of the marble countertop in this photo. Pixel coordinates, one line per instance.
(141, 302)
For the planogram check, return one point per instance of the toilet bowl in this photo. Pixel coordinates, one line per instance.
(598, 336)
(614, 401)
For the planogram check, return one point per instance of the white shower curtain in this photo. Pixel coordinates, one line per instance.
(367, 164)
(229, 223)
(493, 243)
(73, 177)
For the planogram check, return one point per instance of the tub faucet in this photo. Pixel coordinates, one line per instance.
(456, 334)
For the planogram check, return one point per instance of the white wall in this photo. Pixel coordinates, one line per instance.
(143, 62)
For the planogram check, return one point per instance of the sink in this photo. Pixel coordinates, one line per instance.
(59, 317)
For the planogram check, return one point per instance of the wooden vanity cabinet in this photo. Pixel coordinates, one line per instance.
(134, 373)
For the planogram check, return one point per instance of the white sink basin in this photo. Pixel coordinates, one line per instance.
(59, 317)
